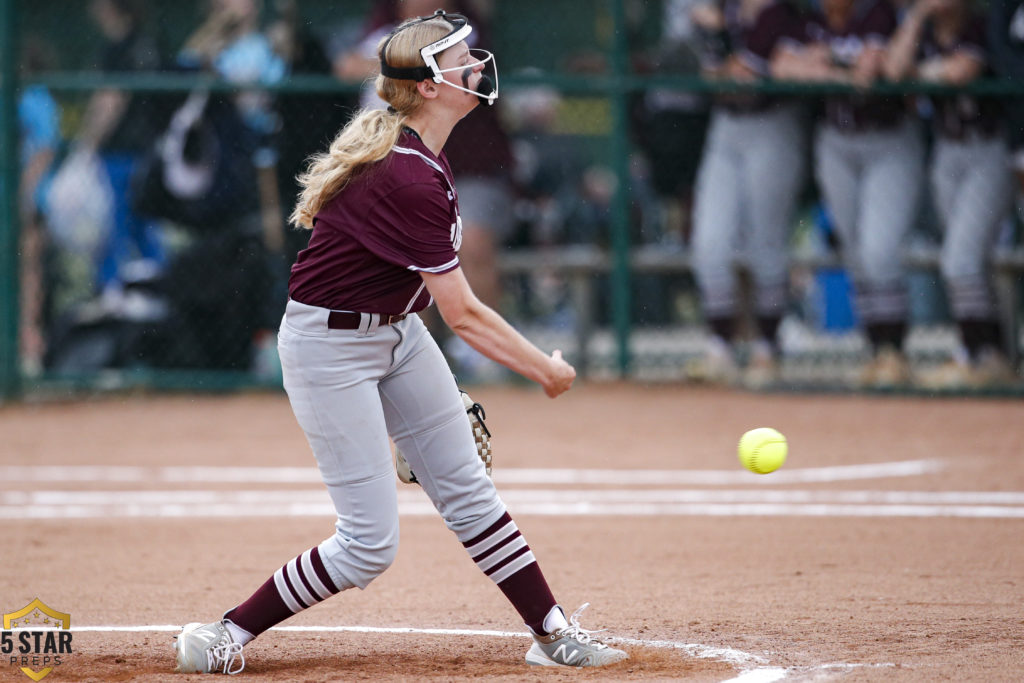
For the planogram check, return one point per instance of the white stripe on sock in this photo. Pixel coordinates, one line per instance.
(501, 553)
(513, 566)
(310, 573)
(292, 568)
(492, 540)
(285, 593)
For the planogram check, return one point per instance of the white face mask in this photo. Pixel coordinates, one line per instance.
(487, 88)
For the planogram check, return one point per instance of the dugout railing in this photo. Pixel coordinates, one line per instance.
(619, 260)
(581, 265)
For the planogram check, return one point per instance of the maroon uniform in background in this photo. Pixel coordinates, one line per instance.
(963, 115)
(972, 189)
(751, 173)
(869, 164)
(753, 44)
(872, 24)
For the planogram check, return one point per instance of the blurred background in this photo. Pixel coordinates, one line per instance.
(150, 151)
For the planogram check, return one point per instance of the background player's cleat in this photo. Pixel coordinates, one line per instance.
(887, 370)
(717, 365)
(208, 649)
(990, 371)
(762, 369)
(572, 646)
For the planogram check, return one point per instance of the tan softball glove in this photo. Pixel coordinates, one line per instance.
(481, 435)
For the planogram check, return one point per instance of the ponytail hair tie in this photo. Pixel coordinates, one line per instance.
(392, 110)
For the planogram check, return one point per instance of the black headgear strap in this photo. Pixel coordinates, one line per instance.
(416, 73)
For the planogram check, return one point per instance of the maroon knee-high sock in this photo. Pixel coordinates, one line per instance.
(502, 554)
(301, 583)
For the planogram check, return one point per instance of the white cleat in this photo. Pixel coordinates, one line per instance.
(572, 646)
(208, 649)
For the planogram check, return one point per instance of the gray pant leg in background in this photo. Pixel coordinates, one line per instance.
(775, 172)
(750, 174)
(974, 187)
(717, 215)
(872, 183)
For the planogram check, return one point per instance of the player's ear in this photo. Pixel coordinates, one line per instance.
(427, 88)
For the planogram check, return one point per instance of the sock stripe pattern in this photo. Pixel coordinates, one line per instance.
(302, 582)
(501, 551)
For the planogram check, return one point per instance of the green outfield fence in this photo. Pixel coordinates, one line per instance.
(586, 56)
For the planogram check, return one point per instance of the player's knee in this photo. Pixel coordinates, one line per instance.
(378, 558)
(358, 561)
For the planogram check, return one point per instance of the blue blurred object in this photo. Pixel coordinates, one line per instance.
(837, 313)
(836, 291)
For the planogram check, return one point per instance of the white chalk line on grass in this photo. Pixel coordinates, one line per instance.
(310, 475)
(754, 668)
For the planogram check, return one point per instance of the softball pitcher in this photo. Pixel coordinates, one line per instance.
(944, 41)
(360, 366)
(869, 167)
(750, 175)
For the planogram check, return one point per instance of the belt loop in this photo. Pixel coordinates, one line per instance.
(368, 323)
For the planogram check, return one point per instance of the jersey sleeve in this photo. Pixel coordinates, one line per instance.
(414, 227)
(774, 25)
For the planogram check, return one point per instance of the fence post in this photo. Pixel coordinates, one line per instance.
(10, 377)
(620, 275)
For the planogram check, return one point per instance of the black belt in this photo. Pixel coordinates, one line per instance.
(346, 320)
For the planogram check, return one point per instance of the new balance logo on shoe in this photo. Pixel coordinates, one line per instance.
(561, 650)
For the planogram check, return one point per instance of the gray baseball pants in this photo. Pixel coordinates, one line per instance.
(747, 185)
(350, 390)
(973, 188)
(872, 182)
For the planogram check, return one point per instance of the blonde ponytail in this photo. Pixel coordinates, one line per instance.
(366, 139)
(371, 134)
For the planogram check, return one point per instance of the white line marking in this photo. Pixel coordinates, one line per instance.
(754, 668)
(310, 475)
(766, 674)
(908, 468)
(521, 496)
(696, 650)
(582, 509)
(54, 504)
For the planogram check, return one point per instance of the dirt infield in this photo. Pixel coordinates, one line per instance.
(889, 547)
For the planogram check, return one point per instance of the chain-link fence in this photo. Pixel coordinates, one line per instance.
(157, 146)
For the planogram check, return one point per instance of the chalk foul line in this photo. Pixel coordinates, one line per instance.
(754, 668)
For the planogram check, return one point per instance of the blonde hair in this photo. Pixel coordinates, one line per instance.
(371, 134)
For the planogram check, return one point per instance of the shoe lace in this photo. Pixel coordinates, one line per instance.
(580, 634)
(223, 657)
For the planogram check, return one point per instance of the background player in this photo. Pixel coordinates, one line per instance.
(749, 178)
(869, 166)
(360, 366)
(944, 41)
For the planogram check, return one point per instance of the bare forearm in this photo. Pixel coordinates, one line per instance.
(104, 111)
(899, 58)
(487, 332)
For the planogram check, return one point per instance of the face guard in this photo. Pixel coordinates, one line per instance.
(486, 89)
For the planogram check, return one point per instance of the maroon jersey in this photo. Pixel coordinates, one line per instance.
(396, 219)
(871, 24)
(754, 44)
(962, 115)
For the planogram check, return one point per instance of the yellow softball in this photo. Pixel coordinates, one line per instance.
(763, 450)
